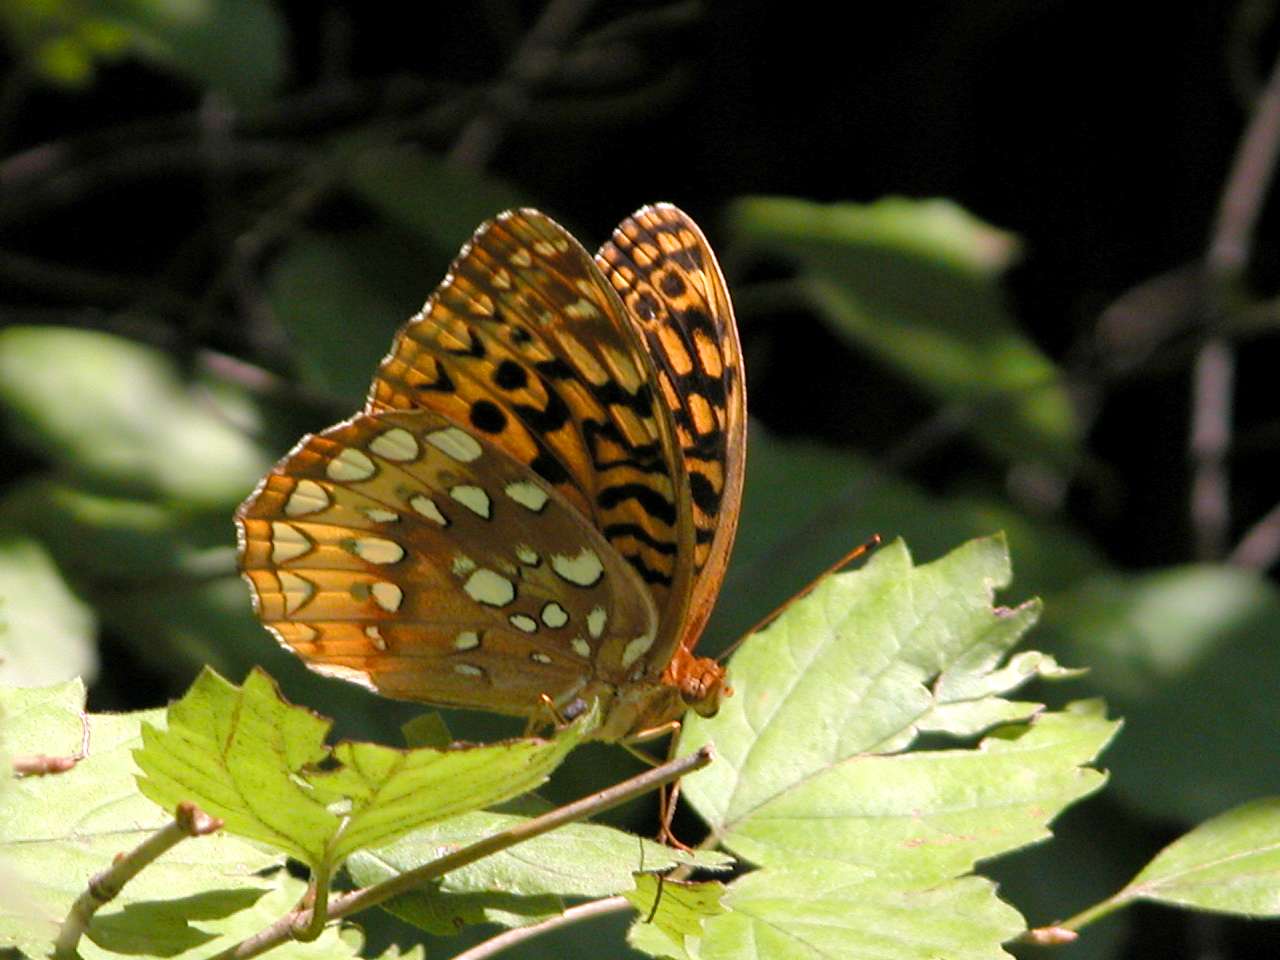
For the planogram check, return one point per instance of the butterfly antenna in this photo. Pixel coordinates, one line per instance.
(866, 547)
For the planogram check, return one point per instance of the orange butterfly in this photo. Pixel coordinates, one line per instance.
(540, 496)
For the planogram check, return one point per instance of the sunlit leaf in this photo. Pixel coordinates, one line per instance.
(58, 830)
(671, 912)
(1230, 864)
(809, 762)
(830, 911)
(250, 758)
(521, 884)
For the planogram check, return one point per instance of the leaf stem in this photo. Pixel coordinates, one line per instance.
(318, 913)
(1096, 912)
(345, 905)
(189, 821)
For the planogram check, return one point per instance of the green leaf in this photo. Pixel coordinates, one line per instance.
(238, 753)
(58, 830)
(1189, 655)
(423, 193)
(671, 913)
(521, 884)
(808, 762)
(46, 633)
(916, 283)
(117, 413)
(1230, 864)
(245, 755)
(829, 911)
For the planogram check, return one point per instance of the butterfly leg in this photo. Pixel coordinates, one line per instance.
(553, 717)
(669, 796)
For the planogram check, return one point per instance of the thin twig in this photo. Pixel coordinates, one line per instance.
(326, 105)
(93, 286)
(535, 60)
(189, 821)
(1226, 258)
(283, 929)
(573, 915)
(137, 163)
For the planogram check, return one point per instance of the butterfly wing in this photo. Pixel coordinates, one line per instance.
(674, 292)
(526, 344)
(402, 552)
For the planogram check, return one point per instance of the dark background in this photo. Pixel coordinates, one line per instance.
(168, 203)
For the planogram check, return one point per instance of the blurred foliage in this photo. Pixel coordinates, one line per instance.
(215, 213)
(234, 47)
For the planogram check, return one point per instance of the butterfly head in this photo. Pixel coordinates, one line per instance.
(701, 684)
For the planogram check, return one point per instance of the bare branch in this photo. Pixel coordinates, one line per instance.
(189, 821)
(573, 915)
(1224, 264)
(39, 764)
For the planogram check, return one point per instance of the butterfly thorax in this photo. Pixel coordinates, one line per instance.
(634, 709)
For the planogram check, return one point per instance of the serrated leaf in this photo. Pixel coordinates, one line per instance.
(237, 753)
(851, 674)
(117, 413)
(916, 283)
(46, 633)
(829, 911)
(671, 913)
(395, 791)
(58, 830)
(1230, 864)
(245, 755)
(523, 883)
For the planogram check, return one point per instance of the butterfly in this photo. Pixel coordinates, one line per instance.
(537, 503)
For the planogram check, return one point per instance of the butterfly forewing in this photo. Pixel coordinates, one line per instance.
(525, 343)
(402, 552)
(674, 293)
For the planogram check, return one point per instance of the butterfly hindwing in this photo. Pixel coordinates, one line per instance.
(399, 551)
